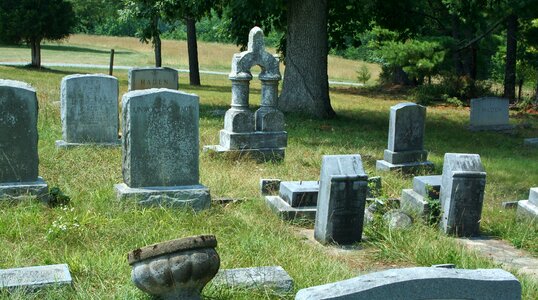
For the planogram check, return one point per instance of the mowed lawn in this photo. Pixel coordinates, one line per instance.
(247, 232)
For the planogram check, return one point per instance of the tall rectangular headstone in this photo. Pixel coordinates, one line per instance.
(341, 200)
(489, 113)
(148, 78)
(462, 194)
(18, 141)
(160, 149)
(89, 110)
(406, 139)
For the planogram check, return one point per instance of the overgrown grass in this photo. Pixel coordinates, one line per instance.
(248, 234)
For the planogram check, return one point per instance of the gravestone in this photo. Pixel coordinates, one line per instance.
(531, 142)
(273, 278)
(89, 110)
(528, 209)
(160, 149)
(420, 283)
(489, 113)
(462, 194)
(148, 78)
(33, 278)
(296, 200)
(259, 135)
(406, 140)
(341, 201)
(425, 189)
(18, 142)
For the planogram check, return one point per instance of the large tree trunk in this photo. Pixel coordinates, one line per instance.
(306, 83)
(192, 45)
(536, 93)
(511, 54)
(36, 53)
(157, 43)
(457, 55)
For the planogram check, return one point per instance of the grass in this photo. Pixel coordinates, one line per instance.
(248, 234)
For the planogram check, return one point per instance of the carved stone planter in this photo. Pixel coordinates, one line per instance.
(176, 269)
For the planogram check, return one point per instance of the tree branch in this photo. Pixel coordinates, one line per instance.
(483, 35)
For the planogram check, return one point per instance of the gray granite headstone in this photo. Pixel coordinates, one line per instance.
(462, 194)
(18, 141)
(490, 113)
(300, 193)
(528, 209)
(148, 78)
(406, 139)
(160, 149)
(33, 278)
(415, 201)
(89, 110)
(420, 283)
(341, 200)
(273, 278)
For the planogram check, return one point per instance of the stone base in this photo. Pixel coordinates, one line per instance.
(287, 212)
(492, 128)
(19, 190)
(531, 142)
(382, 165)
(194, 196)
(65, 145)
(414, 203)
(253, 140)
(527, 210)
(260, 155)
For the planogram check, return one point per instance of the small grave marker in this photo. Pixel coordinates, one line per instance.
(32, 278)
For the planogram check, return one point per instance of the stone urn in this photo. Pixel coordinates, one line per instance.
(176, 269)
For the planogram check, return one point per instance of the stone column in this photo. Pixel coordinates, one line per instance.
(268, 117)
(239, 118)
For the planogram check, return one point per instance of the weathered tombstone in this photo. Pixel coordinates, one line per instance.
(33, 278)
(89, 110)
(418, 200)
(406, 140)
(420, 283)
(531, 142)
(462, 194)
(261, 134)
(296, 200)
(18, 142)
(160, 149)
(489, 113)
(148, 78)
(341, 200)
(528, 209)
(273, 278)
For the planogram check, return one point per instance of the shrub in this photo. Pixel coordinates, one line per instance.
(363, 74)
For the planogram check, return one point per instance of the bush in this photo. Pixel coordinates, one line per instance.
(363, 74)
(453, 90)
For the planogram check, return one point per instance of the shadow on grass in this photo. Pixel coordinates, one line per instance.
(67, 48)
(378, 92)
(42, 69)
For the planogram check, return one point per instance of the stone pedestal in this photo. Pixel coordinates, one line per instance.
(19, 190)
(528, 209)
(414, 201)
(296, 200)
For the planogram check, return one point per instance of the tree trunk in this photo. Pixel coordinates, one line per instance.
(306, 83)
(456, 55)
(536, 93)
(511, 55)
(36, 53)
(192, 45)
(157, 47)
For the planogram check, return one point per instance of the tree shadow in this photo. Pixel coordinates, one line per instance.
(42, 69)
(378, 92)
(81, 49)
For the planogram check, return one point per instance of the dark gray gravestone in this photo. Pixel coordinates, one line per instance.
(18, 141)
(406, 139)
(33, 278)
(490, 113)
(160, 149)
(89, 110)
(148, 78)
(341, 200)
(420, 283)
(462, 194)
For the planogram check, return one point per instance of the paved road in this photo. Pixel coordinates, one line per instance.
(90, 66)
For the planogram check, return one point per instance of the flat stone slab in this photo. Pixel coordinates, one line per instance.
(287, 212)
(527, 210)
(19, 190)
(273, 278)
(32, 278)
(531, 142)
(421, 283)
(414, 203)
(65, 145)
(260, 155)
(300, 193)
(193, 196)
(382, 165)
(504, 254)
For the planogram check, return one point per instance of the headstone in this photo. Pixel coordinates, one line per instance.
(374, 187)
(528, 209)
(160, 149)
(462, 194)
(425, 189)
(18, 142)
(149, 78)
(273, 278)
(421, 283)
(489, 113)
(269, 186)
(89, 110)
(259, 135)
(531, 142)
(341, 200)
(33, 278)
(406, 140)
(296, 200)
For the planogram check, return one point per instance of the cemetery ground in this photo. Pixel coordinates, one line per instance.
(94, 233)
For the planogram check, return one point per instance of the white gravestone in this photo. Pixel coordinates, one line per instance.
(489, 113)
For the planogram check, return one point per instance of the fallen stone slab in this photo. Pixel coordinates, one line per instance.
(33, 278)
(421, 283)
(273, 278)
